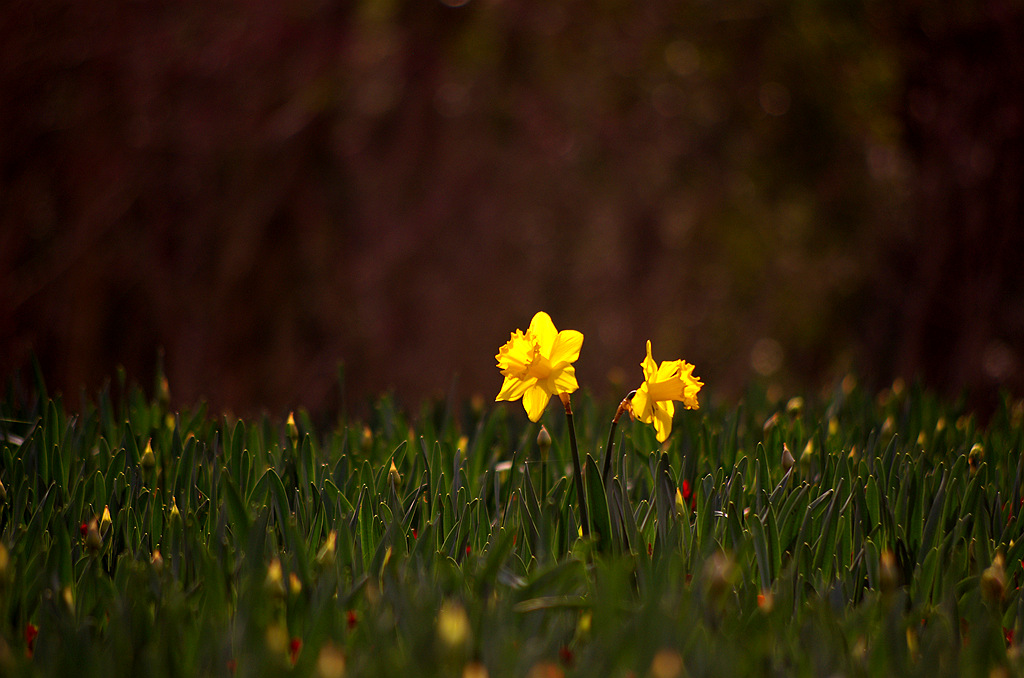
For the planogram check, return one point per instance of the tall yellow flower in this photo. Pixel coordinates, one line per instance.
(673, 380)
(537, 364)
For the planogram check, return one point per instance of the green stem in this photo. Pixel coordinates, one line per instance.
(543, 481)
(576, 468)
(607, 469)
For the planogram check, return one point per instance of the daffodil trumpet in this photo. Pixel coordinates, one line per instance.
(577, 470)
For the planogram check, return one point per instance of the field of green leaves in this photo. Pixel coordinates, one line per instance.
(139, 541)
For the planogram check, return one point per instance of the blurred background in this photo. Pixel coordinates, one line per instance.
(777, 190)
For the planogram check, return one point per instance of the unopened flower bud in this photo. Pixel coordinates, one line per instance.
(787, 458)
(993, 580)
(393, 475)
(274, 582)
(175, 513)
(293, 430)
(326, 555)
(543, 443)
(888, 572)
(681, 503)
(105, 521)
(975, 457)
(157, 561)
(93, 540)
(148, 459)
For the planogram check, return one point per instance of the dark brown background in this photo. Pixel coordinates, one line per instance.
(771, 190)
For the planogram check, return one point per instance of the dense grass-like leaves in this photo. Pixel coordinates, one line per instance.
(425, 545)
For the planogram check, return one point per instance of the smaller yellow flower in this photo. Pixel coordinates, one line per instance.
(672, 380)
(537, 364)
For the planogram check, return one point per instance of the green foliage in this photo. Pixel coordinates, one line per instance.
(422, 546)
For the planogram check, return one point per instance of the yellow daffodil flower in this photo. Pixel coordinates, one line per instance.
(537, 364)
(672, 380)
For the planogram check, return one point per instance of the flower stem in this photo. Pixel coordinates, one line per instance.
(576, 469)
(623, 407)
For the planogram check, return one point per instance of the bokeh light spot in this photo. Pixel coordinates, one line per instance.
(766, 357)
(775, 98)
(683, 57)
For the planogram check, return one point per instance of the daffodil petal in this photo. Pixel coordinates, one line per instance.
(663, 420)
(513, 388)
(641, 404)
(566, 348)
(649, 366)
(535, 399)
(565, 380)
(543, 330)
(669, 369)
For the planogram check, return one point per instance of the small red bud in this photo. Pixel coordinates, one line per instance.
(31, 631)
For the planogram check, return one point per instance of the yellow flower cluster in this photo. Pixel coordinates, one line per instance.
(538, 364)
